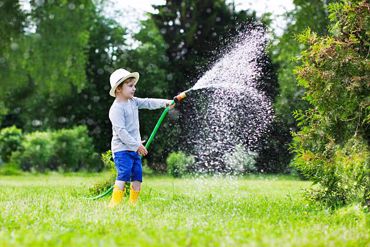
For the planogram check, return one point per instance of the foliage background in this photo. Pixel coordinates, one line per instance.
(56, 58)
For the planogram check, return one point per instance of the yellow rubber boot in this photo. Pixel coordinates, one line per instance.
(134, 196)
(117, 196)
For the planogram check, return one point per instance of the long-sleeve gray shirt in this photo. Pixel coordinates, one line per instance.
(124, 117)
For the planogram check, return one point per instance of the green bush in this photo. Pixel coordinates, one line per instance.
(332, 146)
(178, 163)
(108, 161)
(105, 183)
(102, 185)
(37, 152)
(9, 169)
(61, 150)
(10, 141)
(241, 161)
(340, 180)
(74, 150)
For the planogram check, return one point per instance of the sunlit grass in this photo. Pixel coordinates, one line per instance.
(49, 210)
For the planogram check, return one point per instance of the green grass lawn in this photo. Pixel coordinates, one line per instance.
(48, 210)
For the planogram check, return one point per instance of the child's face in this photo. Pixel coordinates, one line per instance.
(128, 89)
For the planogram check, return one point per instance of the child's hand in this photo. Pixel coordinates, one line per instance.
(169, 103)
(142, 150)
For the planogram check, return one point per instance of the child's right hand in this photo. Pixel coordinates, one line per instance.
(142, 150)
(169, 103)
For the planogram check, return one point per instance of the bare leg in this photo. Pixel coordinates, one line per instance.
(120, 184)
(134, 192)
(136, 185)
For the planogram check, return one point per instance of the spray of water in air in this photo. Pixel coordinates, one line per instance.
(230, 112)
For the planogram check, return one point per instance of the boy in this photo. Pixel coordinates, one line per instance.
(126, 141)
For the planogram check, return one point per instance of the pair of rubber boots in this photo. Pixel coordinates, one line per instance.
(117, 196)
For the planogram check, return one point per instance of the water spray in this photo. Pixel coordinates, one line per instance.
(176, 100)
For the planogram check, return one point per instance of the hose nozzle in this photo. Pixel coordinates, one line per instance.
(181, 96)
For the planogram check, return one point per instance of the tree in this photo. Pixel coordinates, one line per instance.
(11, 23)
(48, 64)
(284, 51)
(332, 147)
(312, 14)
(11, 28)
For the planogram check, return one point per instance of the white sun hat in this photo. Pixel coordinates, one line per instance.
(119, 76)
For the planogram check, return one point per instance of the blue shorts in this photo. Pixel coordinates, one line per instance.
(128, 165)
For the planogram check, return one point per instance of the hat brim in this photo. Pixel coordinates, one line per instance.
(133, 74)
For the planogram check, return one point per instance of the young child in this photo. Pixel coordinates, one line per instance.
(126, 141)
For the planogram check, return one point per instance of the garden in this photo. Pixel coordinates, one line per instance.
(265, 141)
